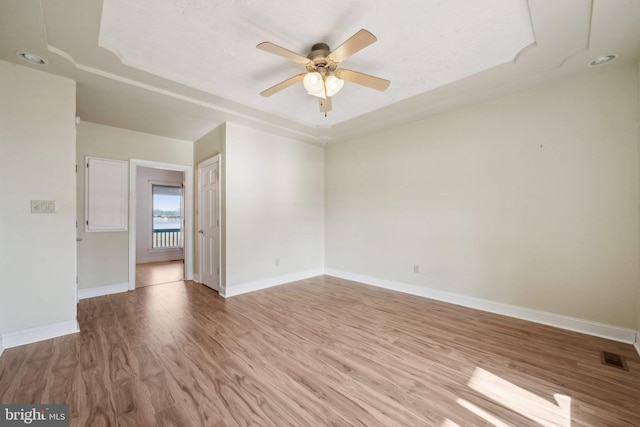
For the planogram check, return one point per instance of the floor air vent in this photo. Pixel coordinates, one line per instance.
(612, 359)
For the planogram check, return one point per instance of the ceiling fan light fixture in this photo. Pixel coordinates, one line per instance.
(333, 85)
(322, 79)
(314, 84)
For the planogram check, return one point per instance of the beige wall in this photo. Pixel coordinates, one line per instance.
(530, 200)
(209, 145)
(274, 206)
(103, 258)
(37, 161)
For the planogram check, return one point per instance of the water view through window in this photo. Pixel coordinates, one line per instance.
(167, 216)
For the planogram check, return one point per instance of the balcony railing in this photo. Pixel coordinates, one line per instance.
(167, 238)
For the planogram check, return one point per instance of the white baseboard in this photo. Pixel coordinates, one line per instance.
(637, 343)
(28, 336)
(1, 346)
(102, 290)
(588, 327)
(268, 283)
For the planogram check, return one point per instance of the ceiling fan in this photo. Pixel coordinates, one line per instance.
(323, 78)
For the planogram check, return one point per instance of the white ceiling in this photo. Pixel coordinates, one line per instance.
(211, 46)
(180, 68)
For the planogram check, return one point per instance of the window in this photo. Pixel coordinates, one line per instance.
(167, 216)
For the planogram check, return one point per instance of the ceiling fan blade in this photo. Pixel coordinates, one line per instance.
(325, 105)
(283, 85)
(356, 43)
(363, 79)
(285, 53)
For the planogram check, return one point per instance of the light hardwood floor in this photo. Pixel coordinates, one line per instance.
(157, 273)
(318, 352)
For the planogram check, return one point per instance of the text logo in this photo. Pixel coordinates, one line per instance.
(34, 415)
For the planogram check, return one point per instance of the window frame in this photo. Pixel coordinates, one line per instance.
(153, 184)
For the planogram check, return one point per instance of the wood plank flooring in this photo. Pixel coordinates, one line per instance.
(157, 273)
(319, 352)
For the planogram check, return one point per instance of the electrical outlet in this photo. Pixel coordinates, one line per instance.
(43, 206)
(416, 268)
(277, 261)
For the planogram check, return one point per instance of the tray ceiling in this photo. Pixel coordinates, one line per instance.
(211, 46)
(180, 68)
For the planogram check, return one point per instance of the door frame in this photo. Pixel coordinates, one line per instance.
(188, 214)
(202, 164)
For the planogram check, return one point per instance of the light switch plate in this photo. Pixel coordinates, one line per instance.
(43, 206)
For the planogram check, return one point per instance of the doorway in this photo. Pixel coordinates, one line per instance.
(157, 243)
(159, 215)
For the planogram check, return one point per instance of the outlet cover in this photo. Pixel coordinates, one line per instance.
(43, 206)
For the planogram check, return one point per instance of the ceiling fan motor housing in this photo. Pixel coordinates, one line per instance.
(320, 46)
(321, 63)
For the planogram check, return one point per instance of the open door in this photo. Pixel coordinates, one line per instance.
(209, 222)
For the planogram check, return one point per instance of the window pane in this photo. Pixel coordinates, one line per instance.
(167, 216)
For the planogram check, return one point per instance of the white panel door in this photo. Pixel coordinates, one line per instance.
(209, 231)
